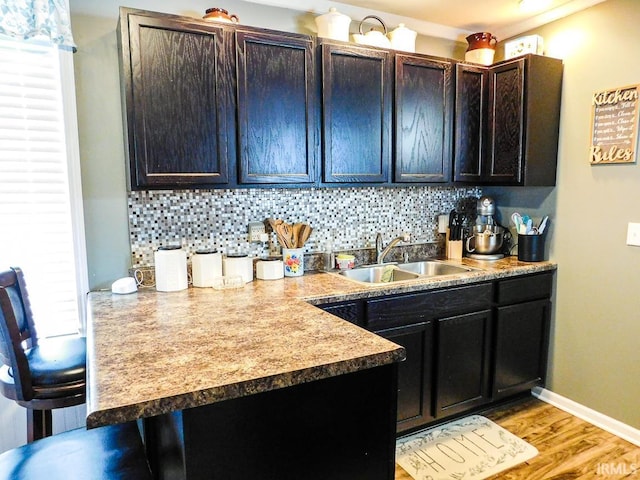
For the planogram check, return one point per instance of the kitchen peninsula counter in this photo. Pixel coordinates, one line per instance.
(153, 354)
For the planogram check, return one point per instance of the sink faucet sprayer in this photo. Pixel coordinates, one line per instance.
(383, 251)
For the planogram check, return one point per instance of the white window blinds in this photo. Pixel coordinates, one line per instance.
(36, 217)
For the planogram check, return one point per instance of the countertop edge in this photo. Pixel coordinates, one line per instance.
(161, 406)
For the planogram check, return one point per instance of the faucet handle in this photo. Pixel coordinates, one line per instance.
(406, 237)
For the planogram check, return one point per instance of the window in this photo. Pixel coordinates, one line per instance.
(41, 228)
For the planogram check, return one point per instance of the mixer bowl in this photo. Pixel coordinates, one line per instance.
(486, 239)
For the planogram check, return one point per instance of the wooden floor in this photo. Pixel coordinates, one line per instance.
(569, 447)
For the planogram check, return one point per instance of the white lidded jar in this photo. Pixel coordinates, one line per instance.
(238, 264)
(403, 38)
(333, 25)
(206, 266)
(269, 269)
(171, 269)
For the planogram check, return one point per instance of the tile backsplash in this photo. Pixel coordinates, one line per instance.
(349, 217)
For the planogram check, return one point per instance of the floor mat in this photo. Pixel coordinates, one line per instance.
(470, 448)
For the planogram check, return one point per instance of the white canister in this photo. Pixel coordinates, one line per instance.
(238, 264)
(403, 38)
(333, 25)
(270, 269)
(206, 265)
(171, 269)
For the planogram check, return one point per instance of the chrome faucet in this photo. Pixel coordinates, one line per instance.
(382, 252)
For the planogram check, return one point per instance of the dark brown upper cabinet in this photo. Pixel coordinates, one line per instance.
(176, 101)
(507, 122)
(356, 114)
(470, 122)
(276, 108)
(210, 105)
(423, 119)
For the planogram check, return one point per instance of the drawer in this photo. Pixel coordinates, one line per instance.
(391, 312)
(521, 289)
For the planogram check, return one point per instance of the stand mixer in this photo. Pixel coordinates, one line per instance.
(487, 237)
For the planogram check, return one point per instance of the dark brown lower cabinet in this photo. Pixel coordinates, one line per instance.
(463, 345)
(466, 346)
(521, 347)
(414, 374)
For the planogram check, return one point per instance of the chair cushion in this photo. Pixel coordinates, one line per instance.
(113, 452)
(58, 361)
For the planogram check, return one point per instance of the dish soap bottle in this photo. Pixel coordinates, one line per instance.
(328, 256)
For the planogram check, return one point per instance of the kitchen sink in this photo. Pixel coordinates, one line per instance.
(433, 269)
(390, 273)
(379, 274)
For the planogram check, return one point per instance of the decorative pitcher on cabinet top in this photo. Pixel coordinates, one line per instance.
(482, 48)
(219, 15)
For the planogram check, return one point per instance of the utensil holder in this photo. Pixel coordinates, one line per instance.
(531, 248)
(293, 259)
(454, 251)
(453, 248)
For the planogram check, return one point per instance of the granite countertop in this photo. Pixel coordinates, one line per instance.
(152, 352)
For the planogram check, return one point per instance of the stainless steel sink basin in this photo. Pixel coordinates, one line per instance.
(376, 274)
(390, 273)
(432, 269)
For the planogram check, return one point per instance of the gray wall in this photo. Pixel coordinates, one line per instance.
(595, 357)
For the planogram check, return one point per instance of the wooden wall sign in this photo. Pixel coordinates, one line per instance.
(614, 126)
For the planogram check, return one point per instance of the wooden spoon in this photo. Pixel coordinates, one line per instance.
(272, 222)
(284, 234)
(305, 233)
(295, 234)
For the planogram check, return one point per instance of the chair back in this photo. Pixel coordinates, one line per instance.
(17, 329)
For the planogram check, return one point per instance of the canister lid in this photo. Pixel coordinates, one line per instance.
(270, 259)
(170, 247)
(236, 255)
(206, 251)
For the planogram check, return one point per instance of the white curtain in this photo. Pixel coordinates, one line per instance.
(37, 19)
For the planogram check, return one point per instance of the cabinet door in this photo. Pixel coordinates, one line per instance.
(423, 115)
(356, 115)
(463, 348)
(174, 92)
(470, 123)
(276, 115)
(504, 162)
(414, 374)
(521, 347)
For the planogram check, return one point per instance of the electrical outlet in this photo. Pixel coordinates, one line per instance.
(255, 230)
(633, 234)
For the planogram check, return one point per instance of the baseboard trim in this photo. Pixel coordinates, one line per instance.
(598, 419)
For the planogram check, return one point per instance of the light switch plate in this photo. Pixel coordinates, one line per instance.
(633, 234)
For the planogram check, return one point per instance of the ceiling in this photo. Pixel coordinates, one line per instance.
(451, 19)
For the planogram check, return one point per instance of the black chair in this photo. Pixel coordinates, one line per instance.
(38, 375)
(112, 452)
